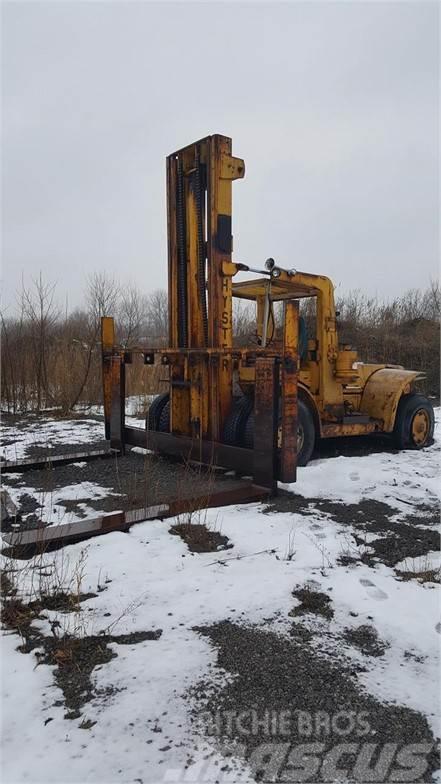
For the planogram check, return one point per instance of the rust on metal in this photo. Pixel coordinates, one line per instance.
(107, 343)
(288, 455)
(345, 396)
(55, 460)
(265, 422)
(26, 543)
(355, 429)
(210, 453)
(117, 412)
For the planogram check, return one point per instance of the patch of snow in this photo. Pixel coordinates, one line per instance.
(156, 583)
(47, 432)
(408, 477)
(423, 563)
(51, 509)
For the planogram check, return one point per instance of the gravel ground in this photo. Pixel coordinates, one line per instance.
(365, 638)
(134, 480)
(139, 480)
(270, 675)
(413, 536)
(36, 435)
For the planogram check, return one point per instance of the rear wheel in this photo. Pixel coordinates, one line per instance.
(305, 433)
(414, 422)
(156, 408)
(233, 432)
(164, 419)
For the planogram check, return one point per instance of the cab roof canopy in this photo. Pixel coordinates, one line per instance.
(292, 289)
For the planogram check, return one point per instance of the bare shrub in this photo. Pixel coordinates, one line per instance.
(51, 357)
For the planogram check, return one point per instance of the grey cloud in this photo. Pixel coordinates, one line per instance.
(334, 107)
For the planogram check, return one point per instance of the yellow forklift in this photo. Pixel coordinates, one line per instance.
(258, 409)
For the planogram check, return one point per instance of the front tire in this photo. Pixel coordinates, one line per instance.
(414, 422)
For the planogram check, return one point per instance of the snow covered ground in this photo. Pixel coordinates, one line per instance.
(138, 723)
(48, 431)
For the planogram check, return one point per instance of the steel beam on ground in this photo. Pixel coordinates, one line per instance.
(26, 543)
(52, 461)
(207, 452)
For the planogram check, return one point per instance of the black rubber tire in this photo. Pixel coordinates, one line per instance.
(248, 433)
(305, 422)
(164, 419)
(408, 407)
(154, 413)
(233, 432)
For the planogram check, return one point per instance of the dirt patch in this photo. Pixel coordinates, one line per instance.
(134, 637)
(199, 538)
(133, 481)
(410, 537)
(42, 450)
(354, 446)
(366, 639)
(27, 506)
(312, 602)
(368, 514)
(74, 658)
(74, 505)
(425, 576)
(300, 633)
(406, 542)
(283, 694)
(40, 446)
(18, 616)
(63, 602)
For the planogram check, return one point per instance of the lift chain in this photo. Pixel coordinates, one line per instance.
(201, 247)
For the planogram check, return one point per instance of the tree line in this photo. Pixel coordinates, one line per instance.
(51, 356)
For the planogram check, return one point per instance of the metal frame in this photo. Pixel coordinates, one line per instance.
(201, 357)
(26, 543)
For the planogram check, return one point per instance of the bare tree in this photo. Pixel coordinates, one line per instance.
(157, 314)
(244, 321)
(53, 357)
(132, 313)
(39, 308)
(102, 295)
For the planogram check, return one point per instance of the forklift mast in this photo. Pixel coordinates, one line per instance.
(200, 355)
(199, 211)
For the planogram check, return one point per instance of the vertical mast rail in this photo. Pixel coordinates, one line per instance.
(288, 461)
(266, 397)
(107, 343)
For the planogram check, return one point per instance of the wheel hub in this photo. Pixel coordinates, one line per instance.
(420, 426)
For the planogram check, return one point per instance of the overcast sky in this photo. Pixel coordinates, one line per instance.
(333, 106)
